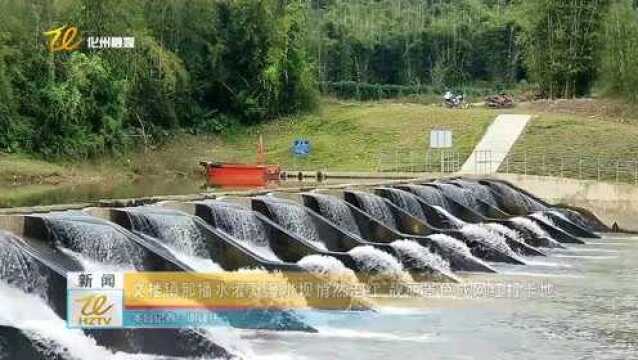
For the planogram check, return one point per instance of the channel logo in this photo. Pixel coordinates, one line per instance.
(94, 300)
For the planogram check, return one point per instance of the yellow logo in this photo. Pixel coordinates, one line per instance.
(94, 308)
(63, 39)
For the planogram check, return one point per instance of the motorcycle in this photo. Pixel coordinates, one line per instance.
(453, 101)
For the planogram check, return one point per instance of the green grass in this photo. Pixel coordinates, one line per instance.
(21, 168)
(577, 145)
(352, 136)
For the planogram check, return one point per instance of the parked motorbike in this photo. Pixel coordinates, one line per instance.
(452, 100)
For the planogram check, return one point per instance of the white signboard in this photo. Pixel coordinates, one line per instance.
(440, 139)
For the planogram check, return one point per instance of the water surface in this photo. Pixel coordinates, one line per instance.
(587, 309)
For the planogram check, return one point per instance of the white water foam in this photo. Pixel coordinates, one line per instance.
(21, 270)
(542, 217)
(488, 237)
(422, 257)
(504, 230)
(370, 259)
(327, 265)
(37, 321)
(531, 226)
(332, 332)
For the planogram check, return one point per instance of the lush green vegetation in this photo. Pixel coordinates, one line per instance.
(201, 66)
(196, 64)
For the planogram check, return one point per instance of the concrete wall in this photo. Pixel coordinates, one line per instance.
(610, 202)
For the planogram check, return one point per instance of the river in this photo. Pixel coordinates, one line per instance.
(578, 303)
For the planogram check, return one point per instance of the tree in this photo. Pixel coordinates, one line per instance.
(559, 39)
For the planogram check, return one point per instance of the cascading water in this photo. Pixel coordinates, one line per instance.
(452, 220)
(411, 252)
(178, 233)
(407, 202)
(505, 231)
(20, 270)
(91, 238)
(460, 195)
(448, 242)
(371, 260)
(432, 196)
(328, 266)
(377, 208)
(480, 191)
(48, 332)
(455, 249)
(486, 236)
(295, 219)
(530, 226)
(542, 217)
(516, 202)
(338, 212)
(243, 225)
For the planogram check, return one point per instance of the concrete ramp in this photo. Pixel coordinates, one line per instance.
(493, 148)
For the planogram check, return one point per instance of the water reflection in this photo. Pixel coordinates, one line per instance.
(144, 187)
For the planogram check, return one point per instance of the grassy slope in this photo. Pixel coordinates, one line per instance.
(351, 136)
(581, 132)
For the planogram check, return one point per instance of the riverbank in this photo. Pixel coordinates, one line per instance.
(345, 136)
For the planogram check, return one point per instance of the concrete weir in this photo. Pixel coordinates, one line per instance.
(397, 232)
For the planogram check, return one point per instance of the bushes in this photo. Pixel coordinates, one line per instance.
(80, 114)
(365, 91)
(196, 65)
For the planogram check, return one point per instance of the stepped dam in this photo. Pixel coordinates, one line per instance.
(445, 233)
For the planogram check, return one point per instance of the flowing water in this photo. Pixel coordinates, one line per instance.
(49, 332)
(587, 310)
(19, 270)
(407, 202)
(337, 211)
(377, 208)
(95, 240)
(328, 266)
(373, 260)
(504, 230)
(480, 191)
(243, 225)
(178, 233)
(295, 219)
(452, 220)
(431, 195)
(542, 217)
(485, 235)
(421, 257)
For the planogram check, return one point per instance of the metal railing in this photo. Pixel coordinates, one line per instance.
(600, 168)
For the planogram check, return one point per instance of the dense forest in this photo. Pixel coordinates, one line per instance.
(202, 65)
